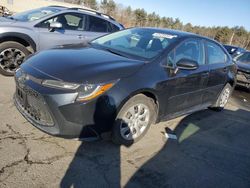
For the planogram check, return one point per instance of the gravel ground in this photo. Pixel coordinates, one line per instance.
(211, 150)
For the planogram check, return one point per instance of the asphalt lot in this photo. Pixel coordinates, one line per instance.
(212, 150)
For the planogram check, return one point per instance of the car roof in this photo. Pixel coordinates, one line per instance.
(57, 7)
(179, 33)
(90, 12)
(171, 31)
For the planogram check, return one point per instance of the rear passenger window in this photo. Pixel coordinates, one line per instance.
(215, 53)
(97, 24)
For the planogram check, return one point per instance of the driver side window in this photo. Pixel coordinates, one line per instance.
(69, 21)
(190, 49)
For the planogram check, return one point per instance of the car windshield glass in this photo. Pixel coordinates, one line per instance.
(244, 58)
(141, 42)
(34, 14)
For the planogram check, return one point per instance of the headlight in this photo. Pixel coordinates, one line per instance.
(60, 84)
(91, 91)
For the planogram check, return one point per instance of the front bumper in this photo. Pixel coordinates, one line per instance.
(243, 79)
(56, 112)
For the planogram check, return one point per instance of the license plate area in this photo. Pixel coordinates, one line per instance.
(31, 107)
(29, 102)
(22, 97)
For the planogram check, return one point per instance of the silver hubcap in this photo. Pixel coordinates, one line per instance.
(134, 122)
(11, 59)
(224, 97)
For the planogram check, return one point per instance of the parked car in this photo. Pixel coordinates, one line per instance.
(243, 74)
(123, 82)
(234, 50)
(27, 32)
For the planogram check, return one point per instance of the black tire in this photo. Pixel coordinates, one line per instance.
(117, 138)
(218, 104)
(14, 45)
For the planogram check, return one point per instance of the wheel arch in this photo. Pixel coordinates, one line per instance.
(148, 93)
(21, 38)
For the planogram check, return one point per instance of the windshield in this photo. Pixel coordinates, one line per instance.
(140, 42)
(34, 14)
(244, 58)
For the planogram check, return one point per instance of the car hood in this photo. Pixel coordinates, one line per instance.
(80, 65)
(6, 21)
(244, 67)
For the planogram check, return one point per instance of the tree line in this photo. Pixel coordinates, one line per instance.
(129, 17)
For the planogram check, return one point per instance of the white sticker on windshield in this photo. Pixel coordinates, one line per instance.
(164, 35)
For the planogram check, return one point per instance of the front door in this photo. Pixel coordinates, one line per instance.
(72, 31)
(186, 87)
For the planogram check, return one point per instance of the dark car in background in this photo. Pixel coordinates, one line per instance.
(123, 82)
(234, 50)
(243, 73)
(27, 32)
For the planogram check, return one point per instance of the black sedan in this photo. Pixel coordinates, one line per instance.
(122, 83)
(243, 74)
(234, 50)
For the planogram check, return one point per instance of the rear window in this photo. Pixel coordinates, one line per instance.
(98, 25)
(113, 27)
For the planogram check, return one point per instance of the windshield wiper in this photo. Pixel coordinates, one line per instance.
(114, 52)
(106, 49)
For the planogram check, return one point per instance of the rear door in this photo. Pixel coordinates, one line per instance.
(217, 61)
(186, 87)
(72, 32)
(96, 27)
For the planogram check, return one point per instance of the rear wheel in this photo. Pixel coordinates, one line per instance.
(223, 98)
(12, 55)
(134, 120)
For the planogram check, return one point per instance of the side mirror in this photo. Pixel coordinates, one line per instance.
(187, 64)
(55, 25)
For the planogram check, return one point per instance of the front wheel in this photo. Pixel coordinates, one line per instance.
(12, 55)
(134, 120)
(223, 98)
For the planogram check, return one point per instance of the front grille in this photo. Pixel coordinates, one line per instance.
(244, 74)
(34, 106)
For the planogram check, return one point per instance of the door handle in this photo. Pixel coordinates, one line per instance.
(80, 36)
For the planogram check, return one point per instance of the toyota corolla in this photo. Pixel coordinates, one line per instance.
(122, 83)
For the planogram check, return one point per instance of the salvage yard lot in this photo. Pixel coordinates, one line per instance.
(212, 150)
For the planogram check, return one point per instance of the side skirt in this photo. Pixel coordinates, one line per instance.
(185, 112)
